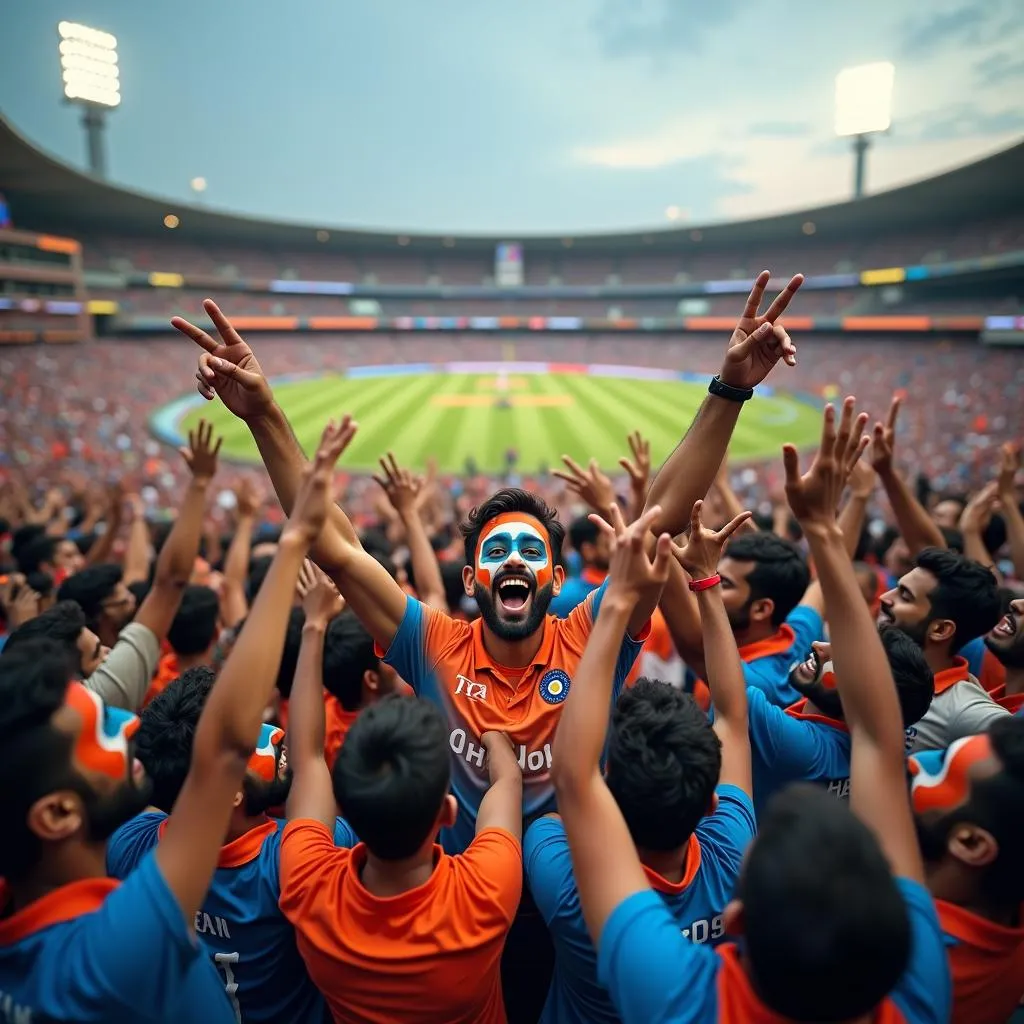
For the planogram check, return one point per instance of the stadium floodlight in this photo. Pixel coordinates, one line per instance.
(92, 80)
(863, 109)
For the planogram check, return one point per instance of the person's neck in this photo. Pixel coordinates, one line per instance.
(512, 653)
(187, 661)
(952, 884)
(1015, 680)
(68, 863)
(387, 878)
(107, 634)
(939, 658)
(754, 633)
(670, 864)
(241, 823)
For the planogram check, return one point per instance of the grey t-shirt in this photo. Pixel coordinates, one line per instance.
(964, 709)
(125, 674)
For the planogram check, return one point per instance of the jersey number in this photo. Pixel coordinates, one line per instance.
(226, 963)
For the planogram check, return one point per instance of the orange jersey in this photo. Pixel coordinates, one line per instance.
(166, 673)
(658, 658)
(431, 954)
(987, 963)
(445, 661)
(339, 721)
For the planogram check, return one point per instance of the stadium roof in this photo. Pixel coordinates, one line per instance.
(45, 194)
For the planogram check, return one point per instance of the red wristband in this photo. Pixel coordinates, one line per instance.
(712, 581)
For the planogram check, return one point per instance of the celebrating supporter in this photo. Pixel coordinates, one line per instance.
(1006, 643)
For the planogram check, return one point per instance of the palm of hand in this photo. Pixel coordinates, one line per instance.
(239, 399)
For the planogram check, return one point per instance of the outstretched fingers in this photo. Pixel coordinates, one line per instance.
(731, 527)
(784, 298)
(222, 323)
(756, 295)
(197, 334)
(791, 464)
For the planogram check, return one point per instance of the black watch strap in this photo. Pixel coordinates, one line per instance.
(720, 389)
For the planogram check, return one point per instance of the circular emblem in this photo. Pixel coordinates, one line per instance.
(554, 686)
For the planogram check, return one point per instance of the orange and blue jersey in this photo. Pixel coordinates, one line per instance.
(792, 745)
(714, 857)
(445, 661)
(247, 937)
(103, 952)
(654, 974)
(575, 590)
(766, 663)
(431, 953)
(987, 963)
(985, 667)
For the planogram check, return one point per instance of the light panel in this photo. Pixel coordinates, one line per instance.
(864, 98)
(88, 60)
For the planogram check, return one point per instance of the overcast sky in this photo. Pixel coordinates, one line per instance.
(535, 115)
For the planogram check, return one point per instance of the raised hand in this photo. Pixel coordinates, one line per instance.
(814, 496)
(1009, 467)
(702, 552)
(201, 453)
(404, 489)
(249, 497)
(638, 468)
(883, 439)
(227, 367)
(758, 342)
(977, 513)
(863, 480)
(632, 572)
(590, 484)
(310, 509)
(320, 598)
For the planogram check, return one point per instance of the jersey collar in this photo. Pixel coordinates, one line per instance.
(63, 904)
(542, 659)
(1013, 702)
(797, 710)
(778, 643)
(977, 931)
(692, 862)
(594, 577)
(242, 850)
(948, 677)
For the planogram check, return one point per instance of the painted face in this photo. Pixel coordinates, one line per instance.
(943, 783)
(102, 744)
(264, 760)
(511, 541)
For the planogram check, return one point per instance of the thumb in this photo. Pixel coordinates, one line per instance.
(246, 378)
(628, 467)
(791, 462)
(662, 554)
(750, 341)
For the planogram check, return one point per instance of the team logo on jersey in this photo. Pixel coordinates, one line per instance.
(554, 686)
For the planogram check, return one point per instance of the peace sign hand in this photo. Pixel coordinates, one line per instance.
(758, 342)
(702, 552)
(227, 367)
(632, 572)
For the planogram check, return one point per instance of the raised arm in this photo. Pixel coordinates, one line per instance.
(103, 546)
(502, 804)
(638, 468)
(234, 604)
(700, 557)
(605, 861)
(852, 515)
(228, 369)
(756, 345)
(1009, 466)
(312, 793)
(977, 514)
(878, 787)
(137, 553)
(230, 723)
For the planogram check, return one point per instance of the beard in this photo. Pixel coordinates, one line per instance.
(819, 695)
(917, 631)
(107, 812)
(739, 618)
(515, 630)
(1008, 657)
(260, 796)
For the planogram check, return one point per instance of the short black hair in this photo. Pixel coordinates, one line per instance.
(258, 568)
(195, 625)
(167, 727)
(41, 582)
(954, 538)
(37, 757)
(512, 499)
(90, 588)
(818, 897)
(61, 625)
(392, 774)
(24, 534)
(348, 654)
(451, 577)
(39, 550)
(664, 760)
(290, 652)
(582, 531)
(915, 681)
(780, 572)
(966, 593)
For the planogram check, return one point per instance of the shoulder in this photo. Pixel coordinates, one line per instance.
(924, 993)
(132, 841)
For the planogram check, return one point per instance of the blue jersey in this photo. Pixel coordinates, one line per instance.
(654, 974)
(766, 663)
(695, 904)
(574, 591)
(103, 952)
(792, 746)
(248, 938)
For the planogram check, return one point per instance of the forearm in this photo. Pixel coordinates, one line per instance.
(682, 618)
(307, 724)
(502, 804)
(136, 557)
(917, 527)
(236, 562)
(1014, 532)
(425, 568)
(851, 522)
(103, 545)
(974, 549)
(690, 470)
(722, 663)
(285, 460)
(178, 556)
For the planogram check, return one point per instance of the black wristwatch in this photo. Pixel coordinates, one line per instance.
(720, 389)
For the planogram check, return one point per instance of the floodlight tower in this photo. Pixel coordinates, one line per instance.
(88, 61)
(863, 109)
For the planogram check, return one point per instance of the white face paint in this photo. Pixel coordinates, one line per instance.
(508, 537)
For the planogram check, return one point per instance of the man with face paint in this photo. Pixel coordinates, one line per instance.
(1005, 642)
(76, 945)
(239, 922)
(969, 809)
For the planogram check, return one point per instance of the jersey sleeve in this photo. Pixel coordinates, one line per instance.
(423, 634)
(924, 993)
(131, 842)
(344, 836)
(548, 866)
(783, 745)
(974, 653)
(491, 869)
(304, 846)
(134, 952)
(581, 621)
(975, 712)
(650, 971)
(807, 626)
(725, 835)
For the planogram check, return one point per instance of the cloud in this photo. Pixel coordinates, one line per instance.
(969, 24)
(781, 129)
(958, 121)
(998, 69)
(655, 28)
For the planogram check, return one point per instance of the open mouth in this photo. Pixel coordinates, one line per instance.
(1005, 628)
(885, 617)
(514, 593)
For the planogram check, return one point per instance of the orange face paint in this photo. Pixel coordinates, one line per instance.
(950, 786)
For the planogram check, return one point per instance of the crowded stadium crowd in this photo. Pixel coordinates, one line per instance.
(689, 742)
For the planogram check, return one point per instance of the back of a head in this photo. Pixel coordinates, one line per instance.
(348, 654)
(780, 571)
(582, 531)
(915, 681)
(664, 760)
(195, 625)
(290, 652)
(167, 728)
(90, 588)
(62, 624)
(392, 775)
(826, 929)
(966, 593)
(33, 554)
(503, 502)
